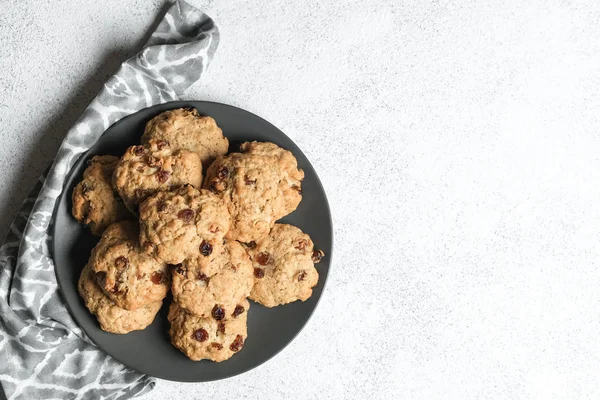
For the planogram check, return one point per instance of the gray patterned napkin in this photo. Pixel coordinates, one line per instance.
(43, 353)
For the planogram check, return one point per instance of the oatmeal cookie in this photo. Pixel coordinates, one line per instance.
(200, 285)
(112, 318)
(183, 223)
(291, 176)
(217, 337)
(185, 129)
(145, 170)
(95, 204)
(128, 276)
(284, 268)
(249, 185)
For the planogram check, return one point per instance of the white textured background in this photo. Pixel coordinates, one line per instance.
(458, 143)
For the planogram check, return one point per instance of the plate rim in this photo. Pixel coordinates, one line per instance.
(180, 104)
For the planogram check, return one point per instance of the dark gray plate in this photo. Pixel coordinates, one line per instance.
(150, 351)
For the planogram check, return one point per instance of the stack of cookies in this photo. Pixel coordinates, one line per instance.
(212, 240)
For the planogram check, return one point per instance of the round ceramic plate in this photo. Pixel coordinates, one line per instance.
(150, 351)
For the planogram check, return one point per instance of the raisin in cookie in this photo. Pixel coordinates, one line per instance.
(128, 276)
(249, 185)
(145, 170)
(291, 176)
(183, 223)
(217, 337)
(283, 266)
(185, 129)
(112, 318)
(200, 285)
(95, 204)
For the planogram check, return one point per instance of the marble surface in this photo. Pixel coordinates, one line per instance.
(457, 142)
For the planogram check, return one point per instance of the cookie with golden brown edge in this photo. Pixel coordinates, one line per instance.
(200, 284)
(283, 264)
(249, 186)
(95, 204)
(111, 317)
(146, 169)
(216, 337)
(291, 176)
(183, 223)
(186, 129)
(129, 277)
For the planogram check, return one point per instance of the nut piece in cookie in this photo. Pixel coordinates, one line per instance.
(249, 185)
(95, 204)
(200, 284)
(291, 177)
(185, 129)
(283, 265)
(146, 169)
(183, 223)
(217, 337)
(128, 276)
(112, 318)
